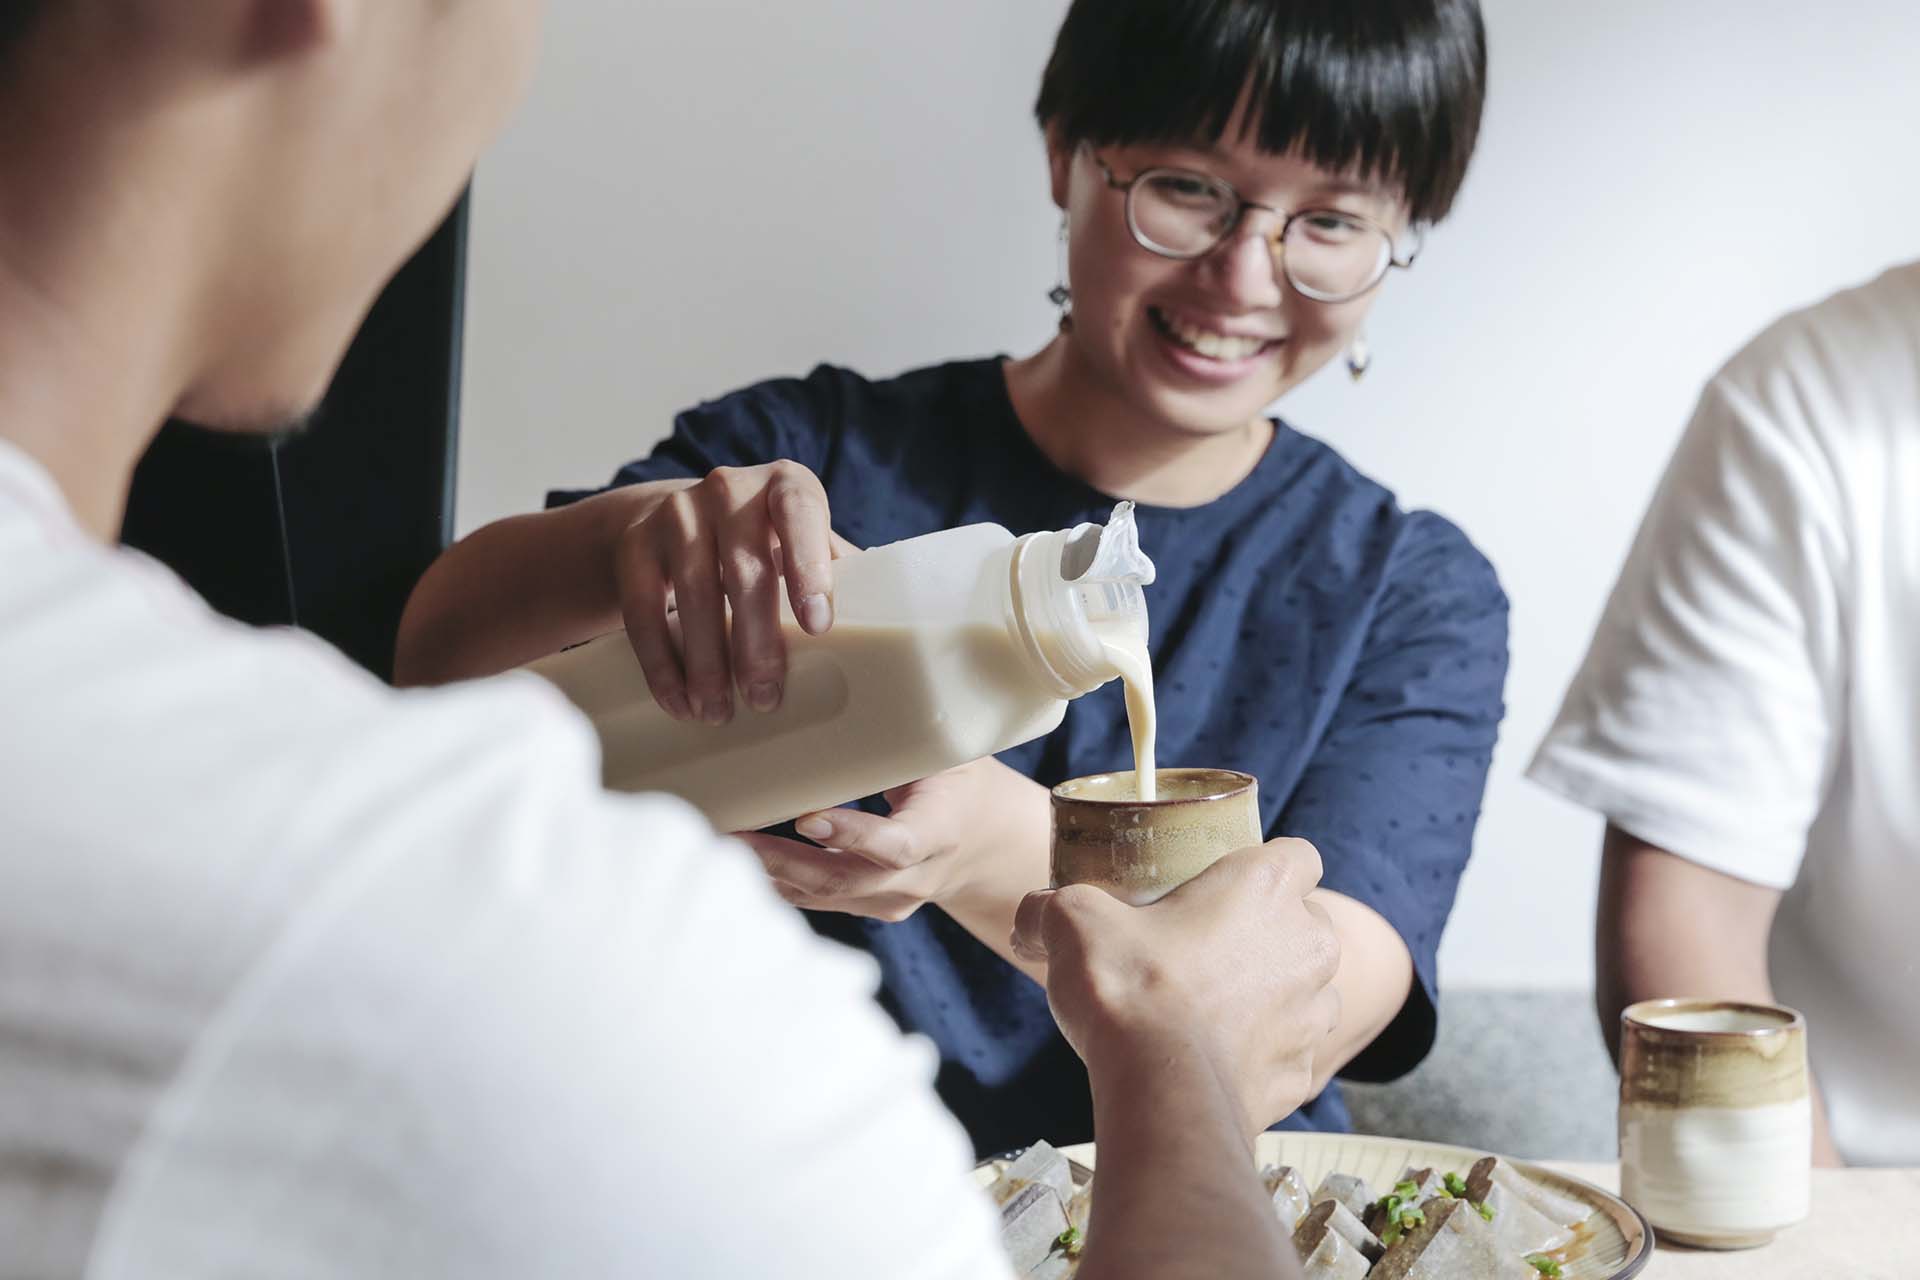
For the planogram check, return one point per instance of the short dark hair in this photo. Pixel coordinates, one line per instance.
(16, 17)
(1390, 88)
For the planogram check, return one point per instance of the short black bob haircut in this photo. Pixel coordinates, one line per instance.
(1390, 89)
(16, 17)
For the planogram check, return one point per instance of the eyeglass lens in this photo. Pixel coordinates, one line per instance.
(1325, 254)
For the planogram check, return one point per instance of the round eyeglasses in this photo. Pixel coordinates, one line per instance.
(1328, 255)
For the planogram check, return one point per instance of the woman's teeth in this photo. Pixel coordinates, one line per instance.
(1215, 346)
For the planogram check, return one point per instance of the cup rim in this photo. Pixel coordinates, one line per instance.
(1239, 784)
(1635, 1015)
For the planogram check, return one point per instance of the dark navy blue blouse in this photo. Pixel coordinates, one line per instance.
(1304, 629)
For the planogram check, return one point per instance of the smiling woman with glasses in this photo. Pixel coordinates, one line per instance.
(1236, 180)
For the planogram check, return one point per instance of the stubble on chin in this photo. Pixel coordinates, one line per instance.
(249, 429)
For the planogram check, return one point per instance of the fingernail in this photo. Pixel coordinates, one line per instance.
(814, 828)
(675, 705)
(816, 613)
(763, 695)
(718, 710)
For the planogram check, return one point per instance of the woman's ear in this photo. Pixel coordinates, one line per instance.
(1059, 165)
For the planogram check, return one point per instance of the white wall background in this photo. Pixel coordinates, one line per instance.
(702, 193)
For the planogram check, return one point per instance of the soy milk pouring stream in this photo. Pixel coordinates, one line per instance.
(1117, 613)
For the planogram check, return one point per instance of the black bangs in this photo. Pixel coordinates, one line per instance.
(1390, 89)
(16, 16)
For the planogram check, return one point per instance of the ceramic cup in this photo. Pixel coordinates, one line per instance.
(1716, 1124)
(1139, 851)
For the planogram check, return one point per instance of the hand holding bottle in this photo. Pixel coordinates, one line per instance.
(725, 542)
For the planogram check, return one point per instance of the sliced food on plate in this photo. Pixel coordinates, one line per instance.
(1485, 1221)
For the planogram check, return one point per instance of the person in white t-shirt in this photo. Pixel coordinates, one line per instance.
(1748, 718)
(303, 976)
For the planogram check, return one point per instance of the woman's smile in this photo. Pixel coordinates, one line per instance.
(1209, 349)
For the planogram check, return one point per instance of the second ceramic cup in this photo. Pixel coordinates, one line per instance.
(1716, 1122)
(1139, 851)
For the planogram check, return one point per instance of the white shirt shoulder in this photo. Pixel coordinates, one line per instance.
(331, 980)
(1715, 699)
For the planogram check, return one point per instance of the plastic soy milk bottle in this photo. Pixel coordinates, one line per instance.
(944, 648)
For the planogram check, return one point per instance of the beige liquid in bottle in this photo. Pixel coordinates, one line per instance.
(866, 707)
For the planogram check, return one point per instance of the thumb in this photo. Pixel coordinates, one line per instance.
(1029, 925)
(1063, 920)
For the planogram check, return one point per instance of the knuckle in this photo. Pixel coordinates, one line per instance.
(677, 516)
(1073, 907)
(1271, 874)
(1306, 861)
(795, 492)
(743, 572)
(791, 477)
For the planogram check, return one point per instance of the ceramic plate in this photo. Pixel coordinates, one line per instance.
(1612, 1244)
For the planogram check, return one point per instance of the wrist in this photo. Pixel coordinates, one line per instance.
(1002, 860)
(1129, 1070)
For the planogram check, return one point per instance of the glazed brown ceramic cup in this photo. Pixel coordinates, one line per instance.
(1141, 850)
(1716, 1122)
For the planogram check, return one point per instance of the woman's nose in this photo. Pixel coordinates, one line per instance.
(1247, 263)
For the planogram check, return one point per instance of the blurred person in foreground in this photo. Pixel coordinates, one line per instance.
(1748, 716)
(302, 976)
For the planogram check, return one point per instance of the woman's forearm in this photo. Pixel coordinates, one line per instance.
(1016, 862)
(519, 589)
(1374, 980)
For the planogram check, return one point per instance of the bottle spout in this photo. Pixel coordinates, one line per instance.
(1107, 552)
(1076, 591)
(1107, 568)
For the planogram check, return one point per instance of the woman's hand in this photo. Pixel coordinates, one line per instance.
(947, 836)
(724, 543)
(1233, 968)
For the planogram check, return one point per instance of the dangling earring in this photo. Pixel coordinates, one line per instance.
(1061, 296)
(1359, 356)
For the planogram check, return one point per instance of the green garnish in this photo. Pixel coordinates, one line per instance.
(1484, 1211)
(1069, 1242)
(1399, 1212)
(1456, 1186)
(1544, 1265)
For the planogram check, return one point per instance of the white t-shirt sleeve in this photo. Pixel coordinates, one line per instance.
(529, 1028)
(1706, 714)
